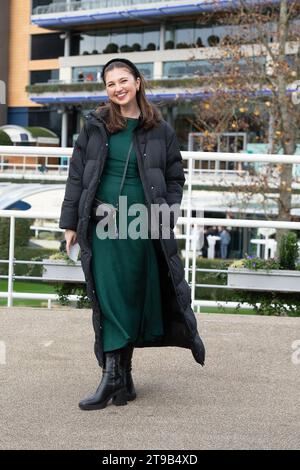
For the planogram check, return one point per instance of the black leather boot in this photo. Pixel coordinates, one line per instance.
(126, 366)
(111, 386)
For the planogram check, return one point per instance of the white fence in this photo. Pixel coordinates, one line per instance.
(187, 222)
(42, 170)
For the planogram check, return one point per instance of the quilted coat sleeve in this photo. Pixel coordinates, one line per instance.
(174, 175)
(69, 210)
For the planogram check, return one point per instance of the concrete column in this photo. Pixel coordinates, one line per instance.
(67, 51)
(157, 70)
(65, 74)
(162, 37)
(64, 128)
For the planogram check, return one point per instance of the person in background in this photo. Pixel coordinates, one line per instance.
(224, 242)
(89, 77)
(80, 77)
(205, 243)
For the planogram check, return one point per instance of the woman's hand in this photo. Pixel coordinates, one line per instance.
(71, 238)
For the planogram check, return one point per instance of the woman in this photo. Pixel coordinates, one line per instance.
(136, 285)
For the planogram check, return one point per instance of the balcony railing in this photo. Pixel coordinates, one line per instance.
(70, 6)
(185, 225)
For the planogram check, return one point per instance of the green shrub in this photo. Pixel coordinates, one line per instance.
(136, 47)
(150, 47)
(22, 232)
(5, 139)
(70, 288)
(125, 48)
(111, 48)
(169, 45)
(271, 303)
(288, 251)
(252, 262)
(28, 254)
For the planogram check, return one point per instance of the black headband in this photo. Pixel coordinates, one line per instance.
(134, 69)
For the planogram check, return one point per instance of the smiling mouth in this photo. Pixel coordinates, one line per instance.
(122, 95)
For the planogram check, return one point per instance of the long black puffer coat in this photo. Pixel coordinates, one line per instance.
(162, 176)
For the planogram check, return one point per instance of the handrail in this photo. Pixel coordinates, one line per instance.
(188, 221)
(48, 171)
(70, 6)
(186, 155)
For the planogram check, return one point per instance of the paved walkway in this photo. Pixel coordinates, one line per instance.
(246, 397)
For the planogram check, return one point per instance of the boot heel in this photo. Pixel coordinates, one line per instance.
(120, 398)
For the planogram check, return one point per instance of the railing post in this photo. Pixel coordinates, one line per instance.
(188, 226)
(11, 261)
(194, 265)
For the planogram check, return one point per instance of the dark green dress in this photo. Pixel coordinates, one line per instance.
(125, 270)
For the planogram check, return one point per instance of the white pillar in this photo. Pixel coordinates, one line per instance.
(189, 215)
(64, 128)
(11, 262)
(162, 37)
(157, 70)
(67, 50)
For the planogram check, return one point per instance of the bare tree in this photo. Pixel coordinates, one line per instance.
(254, 71)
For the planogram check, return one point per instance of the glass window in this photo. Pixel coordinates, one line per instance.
(93, 74)
(134, 36)
(146, 70)
(45, 117)
(40, 3)
(87, 43)
(46, 46)
(294, 30)
(184, 35)
(291, 61)
(181, 69)
(118, 36)
(150, 36)
(87, 74)
(43, 76)
(201, 34)
(127, 39)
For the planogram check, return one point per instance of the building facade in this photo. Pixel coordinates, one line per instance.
(58, 49)
(21, 110)
(4, 33)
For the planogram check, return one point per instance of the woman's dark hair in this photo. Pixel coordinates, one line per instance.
(150, 114)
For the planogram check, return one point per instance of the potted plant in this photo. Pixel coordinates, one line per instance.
(136, 47)
(111, 48)
(182, 45)
(199, 42)
(213, 40)
(125, 48)
(169, 44)
(150, 47)
(60, 267)
(276, 274)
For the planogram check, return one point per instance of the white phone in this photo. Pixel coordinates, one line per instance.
(74, 252)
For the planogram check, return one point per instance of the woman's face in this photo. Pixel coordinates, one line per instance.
(121, 86)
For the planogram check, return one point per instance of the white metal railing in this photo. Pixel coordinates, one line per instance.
(188, 222)
(41, 169)
(44, 170)
(74, 5)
